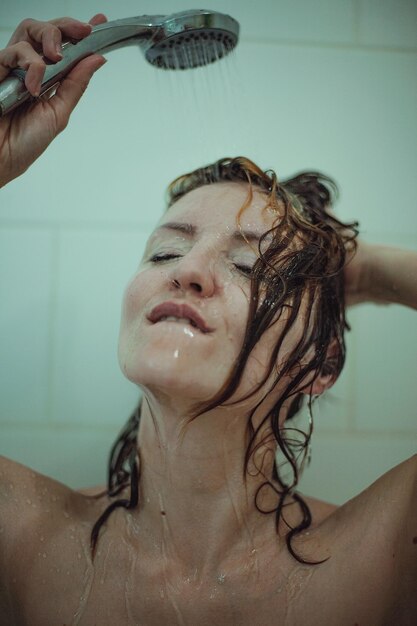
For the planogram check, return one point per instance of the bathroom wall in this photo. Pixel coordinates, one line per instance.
(328, 85)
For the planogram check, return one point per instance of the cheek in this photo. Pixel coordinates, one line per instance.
(236, 303)
(139, 291)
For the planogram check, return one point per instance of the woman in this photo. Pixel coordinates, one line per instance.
(227, 333)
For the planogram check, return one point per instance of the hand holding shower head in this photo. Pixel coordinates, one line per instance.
(178, 41)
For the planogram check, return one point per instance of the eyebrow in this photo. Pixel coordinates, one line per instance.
(191, 231)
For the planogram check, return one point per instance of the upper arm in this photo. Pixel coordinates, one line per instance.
(17, 517)
(7, 535)
(409, 547)
(405, 549)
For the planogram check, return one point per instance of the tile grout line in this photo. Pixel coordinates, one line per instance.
(55, 260)
(310, 43)
(77, 225)
(357, 9)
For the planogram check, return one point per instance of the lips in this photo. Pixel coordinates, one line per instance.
(167, 309)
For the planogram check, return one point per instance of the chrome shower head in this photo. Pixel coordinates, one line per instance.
(191, 39)
(178, 41)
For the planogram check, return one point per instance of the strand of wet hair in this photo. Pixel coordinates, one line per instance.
(124, 450)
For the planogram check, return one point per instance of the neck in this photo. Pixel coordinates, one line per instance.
(195, 506)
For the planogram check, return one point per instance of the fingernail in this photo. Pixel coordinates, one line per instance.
(58, 49)
(101, 64)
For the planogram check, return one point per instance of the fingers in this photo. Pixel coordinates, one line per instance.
(33, 40)
(73, 87)
(98, 19)
(22, 55)
(34, 31)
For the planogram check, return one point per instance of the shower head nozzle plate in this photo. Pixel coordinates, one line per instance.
(191, 39)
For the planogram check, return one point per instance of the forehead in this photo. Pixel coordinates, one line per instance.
(218, 205)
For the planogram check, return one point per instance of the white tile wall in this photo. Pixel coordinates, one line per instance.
(89, 387)
(350, 113)
(327, 85)
(386, 368)
(76, 457)
(388, 23)
(328, 20)
(26, 279)
(14, 11)
(341, 467)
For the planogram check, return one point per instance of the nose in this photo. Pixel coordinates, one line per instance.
(194, 273)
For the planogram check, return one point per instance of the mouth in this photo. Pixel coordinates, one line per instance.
(179, 313)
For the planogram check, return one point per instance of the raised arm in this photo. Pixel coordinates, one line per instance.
(383, 275)
(26, 132)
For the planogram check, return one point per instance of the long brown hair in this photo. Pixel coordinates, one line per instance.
(303, 262)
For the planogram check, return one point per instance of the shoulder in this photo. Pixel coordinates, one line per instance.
(381, 522)
(25, 495)
(21, 512)
(388, 509)
(30, 501)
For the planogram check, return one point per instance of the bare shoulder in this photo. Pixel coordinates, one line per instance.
(24, 496)
(370, 544)
(380, 523)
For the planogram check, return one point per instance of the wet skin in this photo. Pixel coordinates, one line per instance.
(197, 551)
(47, 577)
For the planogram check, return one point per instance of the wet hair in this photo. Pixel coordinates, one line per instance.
(301, 265)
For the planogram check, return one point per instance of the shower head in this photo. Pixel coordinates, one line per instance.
(191, 39)
(178, 41)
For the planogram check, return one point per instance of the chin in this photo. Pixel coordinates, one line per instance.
(168, 376)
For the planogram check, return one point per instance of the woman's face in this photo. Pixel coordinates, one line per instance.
(196, 258)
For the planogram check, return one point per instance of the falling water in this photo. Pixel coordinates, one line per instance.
(201, 108)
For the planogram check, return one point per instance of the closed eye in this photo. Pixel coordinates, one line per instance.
(156, 258)
(245, 269)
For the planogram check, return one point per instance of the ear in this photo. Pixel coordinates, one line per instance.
(328, 375)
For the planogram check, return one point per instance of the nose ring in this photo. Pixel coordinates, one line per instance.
(175, 283)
